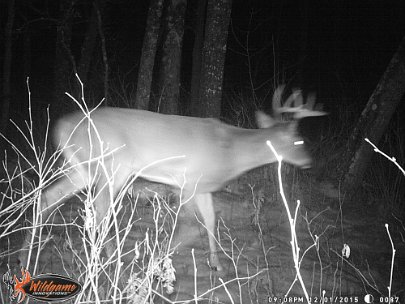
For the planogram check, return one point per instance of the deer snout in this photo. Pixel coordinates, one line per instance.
(299, 160)
(298, 155)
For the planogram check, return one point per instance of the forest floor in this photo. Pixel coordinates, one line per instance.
(255, 237)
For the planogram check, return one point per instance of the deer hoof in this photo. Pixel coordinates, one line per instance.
(214, 263)
(217, 268)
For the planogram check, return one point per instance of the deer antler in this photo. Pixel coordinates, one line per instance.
(294, 104)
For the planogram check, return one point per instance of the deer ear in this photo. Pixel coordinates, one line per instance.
(264, 121)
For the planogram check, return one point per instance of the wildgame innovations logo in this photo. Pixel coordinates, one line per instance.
(44, 287)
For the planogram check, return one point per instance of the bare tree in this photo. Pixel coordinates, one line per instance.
(63, 57)
(303, 40)
(169, 84)
(66, 62)
(8, 55)
(98, 6)
(88, 47)
(213, 58)
(374, 120)
(197, 56)
(149, 47)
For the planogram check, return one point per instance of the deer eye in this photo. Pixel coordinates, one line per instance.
(298, 142)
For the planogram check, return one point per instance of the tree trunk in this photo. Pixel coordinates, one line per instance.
(197, 57)
(99, 7)
(88, 47)
(303, 41)
(63, 59)
(213, 59)
(147, 61)
(373, 121)
(171, 58)
(8, 55)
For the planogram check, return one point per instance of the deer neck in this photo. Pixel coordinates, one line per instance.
(251, 150)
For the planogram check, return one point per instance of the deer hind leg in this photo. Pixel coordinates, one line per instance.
(106, 192)
(206, 208)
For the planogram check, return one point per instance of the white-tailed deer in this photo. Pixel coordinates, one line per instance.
(213, 152)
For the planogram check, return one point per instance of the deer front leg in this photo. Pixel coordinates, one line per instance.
(206, 208)
(51, 198)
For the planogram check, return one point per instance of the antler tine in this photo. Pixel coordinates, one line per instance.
(295, 104)
(276, 103)
(310, 104)
(310, 108)
(294, 99)
(291, 105)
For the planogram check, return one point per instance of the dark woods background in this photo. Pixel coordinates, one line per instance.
(351, 53)
(339, 49)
